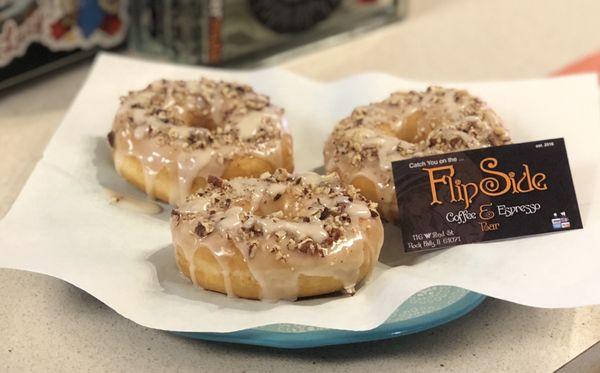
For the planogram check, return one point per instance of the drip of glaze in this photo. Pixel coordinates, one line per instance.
(188, 168)
(359, 211)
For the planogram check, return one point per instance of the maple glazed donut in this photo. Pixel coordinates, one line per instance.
(169, 137)
(280, 236)
(405, 125)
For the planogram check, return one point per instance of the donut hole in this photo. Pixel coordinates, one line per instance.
(198, 183)
(196, 118)
(185, 110)
(367, 187)
(246, 166)
(269, 207)
(385, 129)
(290, 206)
(416, 127)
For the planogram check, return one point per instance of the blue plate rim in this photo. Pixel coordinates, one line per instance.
(327, 337)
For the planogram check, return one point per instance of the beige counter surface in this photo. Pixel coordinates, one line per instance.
(49, 325)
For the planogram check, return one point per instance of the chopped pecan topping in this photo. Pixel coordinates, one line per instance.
(335, 234)
(310, 247)
(328, 242)
(280, 235)
(216, 181)
(200, 230)
(325, 213)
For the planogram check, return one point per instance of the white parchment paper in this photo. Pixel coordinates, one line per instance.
(62, 224)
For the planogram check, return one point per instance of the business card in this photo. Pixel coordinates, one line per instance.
(485, 194)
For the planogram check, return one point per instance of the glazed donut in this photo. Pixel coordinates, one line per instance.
(275, 237)
(168, 137)
(362, 146)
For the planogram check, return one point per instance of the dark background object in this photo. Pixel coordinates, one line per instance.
(245, 32)
(290, 16)
(38, 36)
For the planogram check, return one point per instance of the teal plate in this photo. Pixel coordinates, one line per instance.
(424, 310)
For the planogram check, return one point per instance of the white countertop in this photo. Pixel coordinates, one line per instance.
(49, 325)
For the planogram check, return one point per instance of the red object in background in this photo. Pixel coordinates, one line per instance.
(590, 64)
(59, 29)
(111, 24)
(214, 39)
